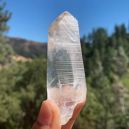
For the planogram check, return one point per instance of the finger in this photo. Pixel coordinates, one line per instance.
(44, 117)
(56, 116)
(48, 117)
(74, 116)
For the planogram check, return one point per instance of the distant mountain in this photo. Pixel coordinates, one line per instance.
(28, 48)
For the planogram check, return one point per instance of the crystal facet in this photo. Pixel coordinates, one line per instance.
(65, 73)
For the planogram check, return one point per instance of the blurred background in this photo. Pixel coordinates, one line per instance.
(104, 30)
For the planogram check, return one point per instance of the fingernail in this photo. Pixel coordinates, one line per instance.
(45, 115)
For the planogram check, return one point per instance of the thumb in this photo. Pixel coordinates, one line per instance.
(48, 117)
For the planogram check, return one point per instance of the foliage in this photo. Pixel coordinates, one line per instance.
(5, 50)
(106, 61)
(31, 88)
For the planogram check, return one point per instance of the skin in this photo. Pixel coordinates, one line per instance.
(49, 116)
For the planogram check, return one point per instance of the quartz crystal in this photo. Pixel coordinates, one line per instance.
(66, 84)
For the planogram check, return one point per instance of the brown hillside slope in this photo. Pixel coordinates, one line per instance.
(28, 48)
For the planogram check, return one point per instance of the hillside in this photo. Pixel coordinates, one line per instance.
(28, 48)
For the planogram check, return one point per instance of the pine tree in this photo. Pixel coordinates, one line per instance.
(5, 49)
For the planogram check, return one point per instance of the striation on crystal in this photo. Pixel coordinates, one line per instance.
(66, 84)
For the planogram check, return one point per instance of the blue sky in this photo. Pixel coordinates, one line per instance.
(32, 18)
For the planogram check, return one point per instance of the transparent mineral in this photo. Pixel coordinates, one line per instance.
(65, 73)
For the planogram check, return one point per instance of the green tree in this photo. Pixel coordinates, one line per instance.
(120, 31)
(9, 104)
(32, 91)
(5, 49)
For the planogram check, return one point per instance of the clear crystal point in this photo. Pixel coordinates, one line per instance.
(65, 73)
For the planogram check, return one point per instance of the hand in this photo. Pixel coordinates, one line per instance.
(49, 117)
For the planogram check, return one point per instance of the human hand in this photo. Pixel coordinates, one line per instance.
(49, 116)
